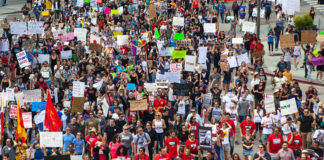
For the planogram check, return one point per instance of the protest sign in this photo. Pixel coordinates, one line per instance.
(5, 26)
(320, 38)
(94, 21)
(95, 39)
(258, 54)
(290, 6)
(230, 18)
(175, 67)
(27, 118)
(131, 86)
(38, 106)
(205, 138)
(59, 34)
(35, 27)
(81, 34)
(207, 99)
(248, 27)
(138, 105)
(77, 104)
(237, 40)
(114, 11)
(22, 59)
(20, 97)
(28, 44)
(317, 61)
(127, 17)
(224, 67)
(178, 21)
(168, 51)
(152, 11)
(4, 45)
(66, 54)
(288, 107)
(95, 47)
(150, 87)
(13, 111)
(178, 36)
(34, 95)
(10, 94)
(117, 33)
(45, 13)
(51, 139)
(269, 103)
(182, 89)
(67, 104)
(93, 3)
(78, 89)
(94, 29)
(43, 57)
(287, 41)
(76, 157)
(162, 83)
(69, 37)
(242, 58)
(173, 77)
(308, 36)
(58, 157)
(202, 55)
(255, 12)
(178, 54)
(18, 27)
(190, 63)
(80, 3)
(232, 61)
(122, 40)
(210, 27)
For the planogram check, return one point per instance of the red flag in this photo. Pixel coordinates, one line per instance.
(52, 121)
(20, 130)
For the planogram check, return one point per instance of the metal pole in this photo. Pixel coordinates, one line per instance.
(258, 18)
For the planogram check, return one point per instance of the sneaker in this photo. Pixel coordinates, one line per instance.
(237, 143)
(301, 66)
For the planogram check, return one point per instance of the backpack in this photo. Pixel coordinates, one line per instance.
(140, 137)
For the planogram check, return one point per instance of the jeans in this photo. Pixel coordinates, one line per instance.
(270, 46)
(129, 151)
(265, 137)
(222, 16)
(309, 71)
(160, 139)
(242, 118)
(3, 2)
(231, 142)
(277, 41)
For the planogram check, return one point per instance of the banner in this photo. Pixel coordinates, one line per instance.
(13, 111)
(78, 89)
(269, 104)
(27, 118)
(178, 21)
(51, 139)
(66, 54)
(317, 61)
(288, 107)
(162, 83)
(22, 59)
(140, 105)
(287, 41)
(179, 54)
(308, 36)
(38, 106)
(248, 27)
(175, 67)
(190, 63)
(18, 28)
(34, 95)
(150, 87)
(78, 104)
(35, 27)
(205, 138)
(209, 27)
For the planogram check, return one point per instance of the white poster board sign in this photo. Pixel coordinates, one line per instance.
(178, 21)
(242, 58)
(66, 54)
(288, 107)
(27, 118)
(43, 57)
(269, 104)
(81, 34)
(248, 27)
(22, 59)
(210, 27)
(122, 40)
(59, 34)
(51, 139)
(255, 12)
(232, 61)
(175, 67)
(237, 40)
(18, 27)
(162, 83)
(10, 94)
(78, 89)
(290, 6)
(35, 27)
(202, 55)
(190, 63)
(34, 95)
(150, 87)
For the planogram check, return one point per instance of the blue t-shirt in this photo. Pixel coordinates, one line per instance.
(78, 145)
(270, 39)
(38, 151)
(67, 139)
(222, 8)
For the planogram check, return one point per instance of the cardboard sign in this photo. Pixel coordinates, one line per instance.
(152, 11)
(175, 67)
(140, 105)
(190, 63)
(127, 17)
(162, 83)
(269, 104)
(287, 41)
(51, 139)
(288, 107)
(22, 59)
(13, 111)
(308, 36)
(258, 54)
(27, 118)
(5, 26)
(77, 104)
(28, 44)
(34, 95)
(95, 47)
(78, 89)
(320, 38)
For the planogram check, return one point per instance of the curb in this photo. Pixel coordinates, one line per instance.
(295, 79)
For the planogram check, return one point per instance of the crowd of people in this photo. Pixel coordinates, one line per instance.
(168, 129)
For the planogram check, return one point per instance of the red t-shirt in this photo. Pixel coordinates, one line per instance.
(192, 145)
(159, 105)
(296, 142)
(245, 125)
(194, 128)
(275, 143)
(230, 122)
(140, 157)
(185, 157)
(165, 157)
(90, 138)
(172, 146)
(195, 4)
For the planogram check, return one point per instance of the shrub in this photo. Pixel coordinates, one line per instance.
(302, 22)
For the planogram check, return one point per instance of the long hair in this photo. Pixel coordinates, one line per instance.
(119, 153)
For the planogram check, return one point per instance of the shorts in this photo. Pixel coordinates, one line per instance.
(248, 152)
(226, 82)
(258, 127)
(241, 21)
(265, 137)
(226, 147)
(296, 56)
(274, 156)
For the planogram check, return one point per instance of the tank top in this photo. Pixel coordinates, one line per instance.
(158, 126)
(258, 116)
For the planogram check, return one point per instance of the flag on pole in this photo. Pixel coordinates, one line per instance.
(52, 121)
(20, 130)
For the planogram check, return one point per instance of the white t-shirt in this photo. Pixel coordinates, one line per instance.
(170, 95)
(227, 101)
(276, 118)
(181, 107)
(226, 136)
(257, 116)
(267, 122)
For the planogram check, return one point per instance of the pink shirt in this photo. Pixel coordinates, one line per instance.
(113, 149)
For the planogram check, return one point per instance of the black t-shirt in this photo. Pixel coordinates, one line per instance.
(120, 124)
(306, 123)
(92, 94)
(111, 131)
(153, 136)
